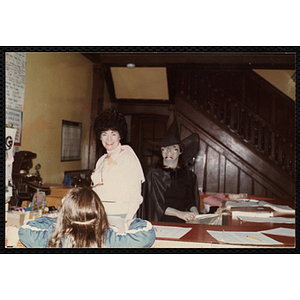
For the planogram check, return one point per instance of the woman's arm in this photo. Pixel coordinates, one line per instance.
(184, 215)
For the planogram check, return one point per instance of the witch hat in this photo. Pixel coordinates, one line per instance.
(190, 144)
(171, 137)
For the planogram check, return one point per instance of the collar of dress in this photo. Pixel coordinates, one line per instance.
(115, 151)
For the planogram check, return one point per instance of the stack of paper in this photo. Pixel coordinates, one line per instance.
(268, 220)
(256, 212)
(242, 203)
(276, 207)
(280, 231)
(244, 210)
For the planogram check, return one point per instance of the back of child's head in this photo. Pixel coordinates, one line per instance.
(82, 221)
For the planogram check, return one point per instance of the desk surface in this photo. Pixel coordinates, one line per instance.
(199, 233)
(199, 236)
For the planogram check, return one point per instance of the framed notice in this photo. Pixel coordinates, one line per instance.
(71, 140)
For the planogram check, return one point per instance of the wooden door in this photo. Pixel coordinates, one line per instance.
(144, 130)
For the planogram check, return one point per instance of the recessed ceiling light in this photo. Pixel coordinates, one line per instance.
(130, 66)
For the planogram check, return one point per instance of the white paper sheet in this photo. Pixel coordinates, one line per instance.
(244, 238)
(280, 231)
(251, 203)
(276, 207)
(171, 232)
(268, 220)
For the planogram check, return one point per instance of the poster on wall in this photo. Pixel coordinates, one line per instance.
(15, 63)
(13, 118)
(71, 141)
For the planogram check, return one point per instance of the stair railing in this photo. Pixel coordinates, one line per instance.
(239, 119)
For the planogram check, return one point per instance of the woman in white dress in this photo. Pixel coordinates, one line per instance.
(118, 176)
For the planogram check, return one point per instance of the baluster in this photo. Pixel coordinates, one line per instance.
(247, 127)
(186, 88)
(225, 111)
(260, 140)
(273, 146)
(212, 102)
(217, 103)
(267, 141)
(192, 84)
(220, 106)
(183, 80)
(242, 123)
(292, 159)
(280, 151)
(289, 157)
(238, 119)
(253, 131)
(207, 97)
(201, 97)
(232, 115)
(284, 154)
(188, 85)
(195, 87)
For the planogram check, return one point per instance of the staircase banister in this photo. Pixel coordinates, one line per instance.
(242, 106)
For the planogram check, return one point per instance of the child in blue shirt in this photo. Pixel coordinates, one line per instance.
(82, 223)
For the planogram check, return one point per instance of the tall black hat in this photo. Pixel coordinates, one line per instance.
(190, 144)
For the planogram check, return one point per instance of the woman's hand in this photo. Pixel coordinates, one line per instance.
(186, 215)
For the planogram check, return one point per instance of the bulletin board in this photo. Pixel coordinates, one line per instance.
(71, 140)
(15, 66)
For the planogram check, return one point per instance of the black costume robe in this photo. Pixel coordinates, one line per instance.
(176, 188)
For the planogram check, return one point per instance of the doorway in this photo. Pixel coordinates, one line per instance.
(144, 130)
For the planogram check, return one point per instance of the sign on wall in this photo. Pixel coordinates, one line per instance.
(15, 63)
(71, 141)
(14, 118)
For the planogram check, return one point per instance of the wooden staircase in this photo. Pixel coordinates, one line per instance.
(246, 131)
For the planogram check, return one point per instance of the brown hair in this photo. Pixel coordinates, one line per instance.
(82, 221)
(110, 119)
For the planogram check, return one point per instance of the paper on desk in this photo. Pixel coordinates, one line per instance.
(170, 232)
(280, 231)
(249, 203)
(241, 237)
(253, 202)
(267, 220)
(276, 207)
(12, 235)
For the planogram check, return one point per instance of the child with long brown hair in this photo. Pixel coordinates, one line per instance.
(82, 223)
